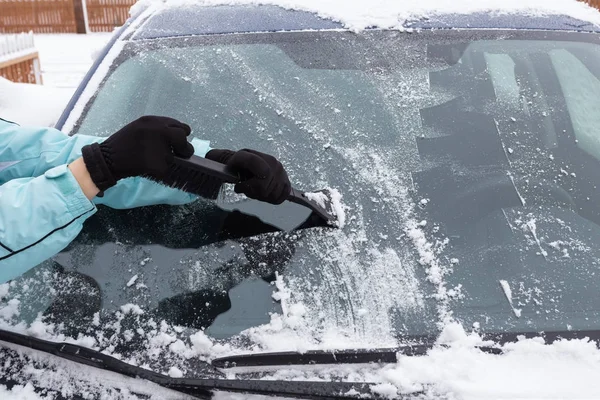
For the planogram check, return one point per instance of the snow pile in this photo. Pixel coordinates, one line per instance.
(19, 392)
(527, 369)
(33, 105)
(64, 60)
(336, 207)
(360, 14)
(456, 369)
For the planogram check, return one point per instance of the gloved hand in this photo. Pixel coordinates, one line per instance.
(145, 147)
(263, 176)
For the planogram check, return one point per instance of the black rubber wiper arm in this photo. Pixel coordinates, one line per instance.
(201, 388)
(354, 356)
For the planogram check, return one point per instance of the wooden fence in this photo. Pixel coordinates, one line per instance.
(63, 16)
(39, 16)
(105, 15)
(594, 3)
(19, 61)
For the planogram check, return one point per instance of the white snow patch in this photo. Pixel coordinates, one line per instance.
(531, 226)
(19, 392)
(528, 368)
(201, 344)
(175, 372)
(318, 197)
(387, 390)
(131, 308)
(338, 208)
(508, 294)
(10, 310)
(65, 58)
(360, 14)
(132, 280)
(145, 261)
(31, 105)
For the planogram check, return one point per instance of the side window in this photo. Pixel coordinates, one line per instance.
(581, 89)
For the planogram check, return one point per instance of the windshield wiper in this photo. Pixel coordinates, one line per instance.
(201, 388)
(314, 357)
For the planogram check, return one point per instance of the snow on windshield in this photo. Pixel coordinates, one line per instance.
(564, 369)
(360, 14)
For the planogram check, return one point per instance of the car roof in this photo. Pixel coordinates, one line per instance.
(203, 20)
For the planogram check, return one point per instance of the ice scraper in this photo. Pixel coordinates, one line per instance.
(189, 170)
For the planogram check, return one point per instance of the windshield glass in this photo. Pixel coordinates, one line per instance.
(468, 165)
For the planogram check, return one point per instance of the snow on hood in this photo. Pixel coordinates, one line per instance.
(31, 105)
(361, 14)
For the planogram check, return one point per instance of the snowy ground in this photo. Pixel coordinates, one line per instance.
(64, 60)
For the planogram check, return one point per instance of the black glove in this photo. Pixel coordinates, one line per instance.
(263, 177)
(145, 147)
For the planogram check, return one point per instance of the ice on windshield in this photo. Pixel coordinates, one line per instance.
(467, 197)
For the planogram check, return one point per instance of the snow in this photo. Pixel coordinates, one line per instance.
(386, 390)
(131, 308)
(201, 344)
(319, 198)
(337, 208)
(19, 392)
(33, 105)
(360, 14)
(15, 43)
(175, 372)
(508, 294)
(10, 310)
(132, 280)
(64, 60)
(68, 377)
(528, 369)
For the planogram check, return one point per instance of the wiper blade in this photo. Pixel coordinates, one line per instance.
(80, 354)
(294, 389)
(315, 357)
(201, 388)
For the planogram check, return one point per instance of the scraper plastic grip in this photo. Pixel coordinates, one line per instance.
(226, 175)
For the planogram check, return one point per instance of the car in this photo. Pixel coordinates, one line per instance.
(464, 150)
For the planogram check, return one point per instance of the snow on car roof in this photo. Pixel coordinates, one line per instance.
(195, 17)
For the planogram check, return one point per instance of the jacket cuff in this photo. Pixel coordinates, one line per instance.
(76, 201)
(97, 167)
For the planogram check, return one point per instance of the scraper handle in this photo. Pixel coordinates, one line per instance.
(227, 175)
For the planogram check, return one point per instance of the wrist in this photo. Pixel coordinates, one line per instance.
(83, 178)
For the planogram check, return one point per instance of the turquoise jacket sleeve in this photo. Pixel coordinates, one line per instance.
(42, 207)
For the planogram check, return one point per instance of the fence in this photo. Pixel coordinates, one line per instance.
(593, 3)
(39, 16)
(105, 15)
(63, 16)
(19, 61)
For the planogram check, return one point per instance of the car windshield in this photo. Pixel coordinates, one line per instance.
(469, 168)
